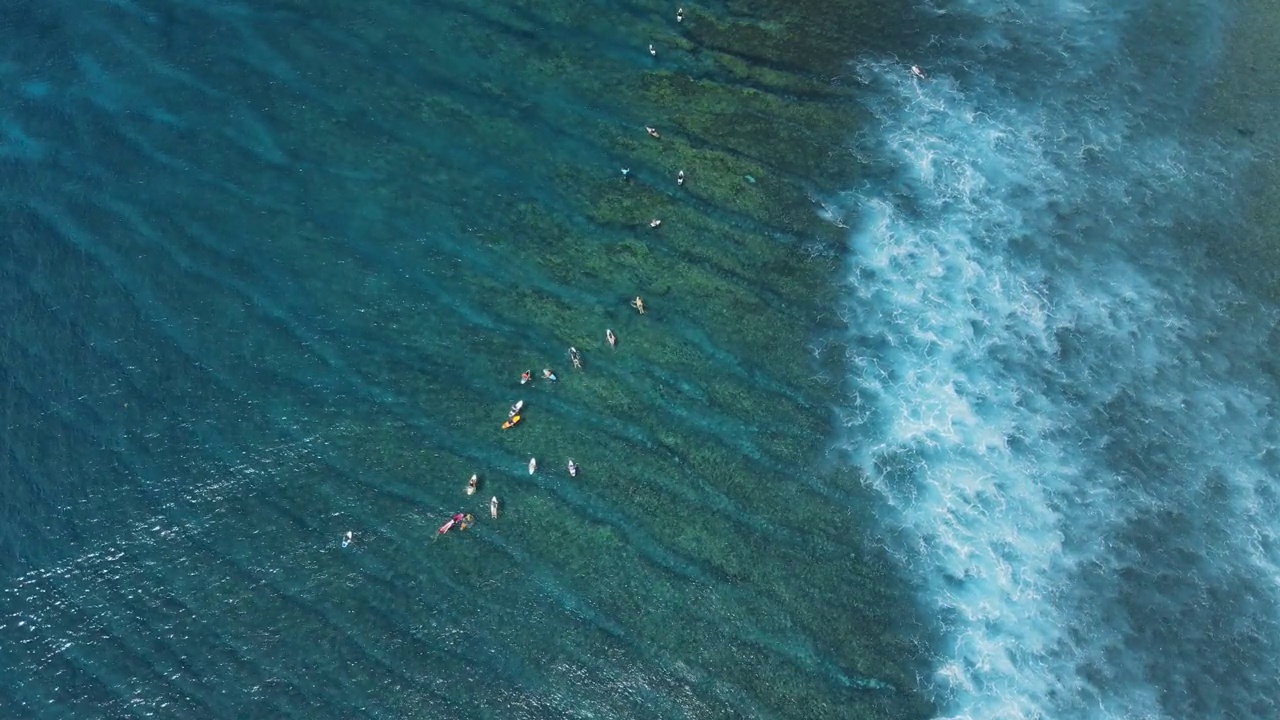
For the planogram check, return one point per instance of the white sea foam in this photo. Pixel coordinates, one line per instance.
(1066, 423)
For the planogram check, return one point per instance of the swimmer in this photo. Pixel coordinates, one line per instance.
(611, 338)
(653, 132)
(638, 304)
(346, 539)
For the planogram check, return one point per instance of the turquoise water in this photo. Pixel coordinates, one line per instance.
(949, 402)
(272, 273)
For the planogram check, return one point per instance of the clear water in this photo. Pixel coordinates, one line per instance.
(272, 270)
(271, 273)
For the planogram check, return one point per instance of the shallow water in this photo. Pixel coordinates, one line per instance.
(273, 271)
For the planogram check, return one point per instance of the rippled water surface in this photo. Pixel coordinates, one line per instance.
(947, 401)
(272, 271)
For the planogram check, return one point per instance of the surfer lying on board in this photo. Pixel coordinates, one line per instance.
(449, 525)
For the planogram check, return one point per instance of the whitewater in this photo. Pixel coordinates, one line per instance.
(1065, 410)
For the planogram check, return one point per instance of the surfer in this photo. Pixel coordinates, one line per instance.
(493, 507)
(575, 358)
(573, 468)
(548, 375)
(638, 304)
(525, 377)
(346, 539)
(515, 409)
(473, 484)
(449, 525)
(611, 338)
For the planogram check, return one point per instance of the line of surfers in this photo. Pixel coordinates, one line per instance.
(462, 521)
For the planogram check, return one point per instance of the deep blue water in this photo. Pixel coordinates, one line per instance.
(272, 269)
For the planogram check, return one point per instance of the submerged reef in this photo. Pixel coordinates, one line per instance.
(479, 147)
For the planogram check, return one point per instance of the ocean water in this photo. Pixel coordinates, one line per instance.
(1063, 399)
(271, 273)
(947, 403)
